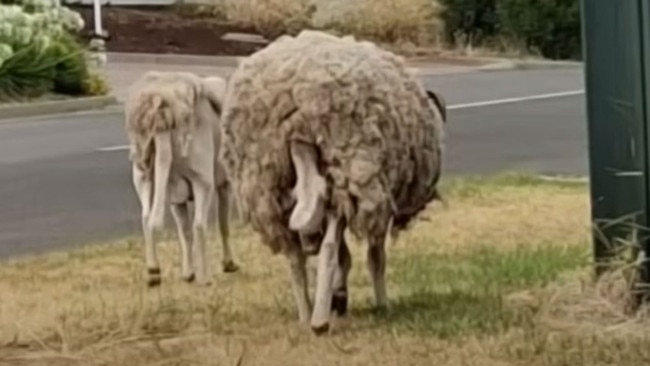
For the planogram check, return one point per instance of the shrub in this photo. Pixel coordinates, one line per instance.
(551, 27)
(271, 18)
(469, 21)
(95, 85)
(392, 21)
(38, 53)
(72, 69)
(548, 27)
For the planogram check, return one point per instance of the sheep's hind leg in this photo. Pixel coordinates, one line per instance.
(223, 209)
(310, 190)
(203, 195)
(182, 219)
(297, 262)
(328, 262)
(144, 190)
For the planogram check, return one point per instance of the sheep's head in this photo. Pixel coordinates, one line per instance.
(440, 103)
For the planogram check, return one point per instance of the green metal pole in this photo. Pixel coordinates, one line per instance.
(615, 79)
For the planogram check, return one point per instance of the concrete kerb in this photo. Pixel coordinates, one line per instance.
(20, 110)
(170, 59)
(492, 64)
(515, 64)
(545, 64)
(419, 67)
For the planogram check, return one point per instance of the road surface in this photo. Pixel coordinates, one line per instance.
(65, 180)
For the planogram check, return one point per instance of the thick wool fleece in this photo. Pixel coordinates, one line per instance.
(378, 136)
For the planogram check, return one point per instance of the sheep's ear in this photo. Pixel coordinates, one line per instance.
(440, 102)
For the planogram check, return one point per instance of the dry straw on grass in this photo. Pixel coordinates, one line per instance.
(449, 279)
(579, 321)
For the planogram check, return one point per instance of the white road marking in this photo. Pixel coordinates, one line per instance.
(114, 148)
(450, 107)
(516, 100)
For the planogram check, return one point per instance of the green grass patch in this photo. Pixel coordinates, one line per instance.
(454, 295)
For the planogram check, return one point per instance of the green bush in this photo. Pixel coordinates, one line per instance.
(551, 27)
(470, 21)
(38, 52)
(72, 70)
(548, 27)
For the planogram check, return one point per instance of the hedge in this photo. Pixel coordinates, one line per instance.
(548, 27)
(39, 51)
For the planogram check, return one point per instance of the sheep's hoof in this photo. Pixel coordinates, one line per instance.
(340, 302)
(190, 278)
(154, 278)
(203, 282)
(154, 282)
(230, 267)
(321, 329)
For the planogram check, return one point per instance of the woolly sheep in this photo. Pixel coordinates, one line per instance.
(173, 126)
(321, 134)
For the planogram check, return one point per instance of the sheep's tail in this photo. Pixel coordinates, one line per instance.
(162, 166)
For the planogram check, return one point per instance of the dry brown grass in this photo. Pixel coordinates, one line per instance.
(415, 22)
(271, 18)
(449, 279)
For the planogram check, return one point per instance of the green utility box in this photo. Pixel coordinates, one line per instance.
(616, 41)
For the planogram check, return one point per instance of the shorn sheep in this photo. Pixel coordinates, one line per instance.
(173, 126)
(321, 134)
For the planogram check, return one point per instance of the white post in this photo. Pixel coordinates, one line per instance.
(97, 44)
(97, 12)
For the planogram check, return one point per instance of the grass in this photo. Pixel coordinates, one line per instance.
(497, 276)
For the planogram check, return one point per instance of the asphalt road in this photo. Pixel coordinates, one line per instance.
(58, 190)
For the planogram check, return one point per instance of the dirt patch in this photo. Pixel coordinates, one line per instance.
(163, 30)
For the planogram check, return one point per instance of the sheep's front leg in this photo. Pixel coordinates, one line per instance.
(328, 262)
(223, 210)
(182, 219)
(203, 196)
(340, 297)
(297, 262)
(310, 190)
(144, 190)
